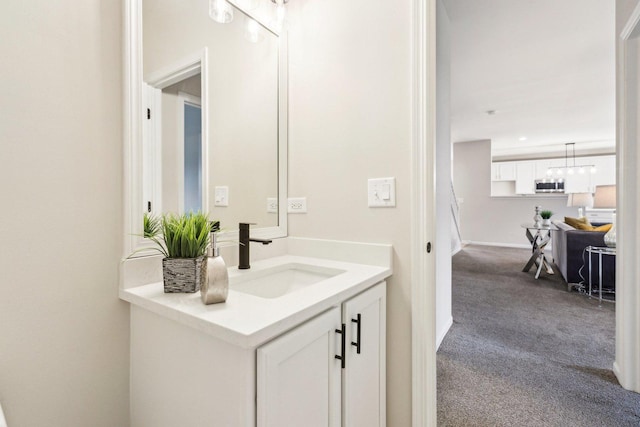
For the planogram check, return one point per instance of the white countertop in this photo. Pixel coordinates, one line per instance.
(248, 321)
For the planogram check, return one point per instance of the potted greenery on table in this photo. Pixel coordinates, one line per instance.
(183, 240)
(546, 217)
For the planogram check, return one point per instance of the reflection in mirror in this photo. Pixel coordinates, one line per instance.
(215, 123)
(181, 128)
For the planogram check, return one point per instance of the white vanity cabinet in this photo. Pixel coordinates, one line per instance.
(301, 382)
(181, 376)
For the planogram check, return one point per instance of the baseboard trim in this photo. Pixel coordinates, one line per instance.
(440, 336)
(504, 245)
(616, 371)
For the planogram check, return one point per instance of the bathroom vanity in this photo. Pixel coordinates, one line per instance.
(300, 341)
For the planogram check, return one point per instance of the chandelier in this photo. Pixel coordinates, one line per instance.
(568, 169)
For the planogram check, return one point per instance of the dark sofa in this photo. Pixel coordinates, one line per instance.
(569, 255)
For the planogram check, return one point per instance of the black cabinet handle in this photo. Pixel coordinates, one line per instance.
(341, 358)
(358, 322)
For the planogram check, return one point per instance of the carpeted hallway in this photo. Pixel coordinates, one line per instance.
(525, 352)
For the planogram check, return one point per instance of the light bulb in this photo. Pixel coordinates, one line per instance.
(581, 170)
(280, 14)
(570, 171)
(593, 169)
(278, 21)
(560, 172)
(220, 11)
(549, 172)
(252, 30)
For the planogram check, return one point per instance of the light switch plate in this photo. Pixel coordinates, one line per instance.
(272, 205)
(382, 192)
(297, 205)
(221, 196)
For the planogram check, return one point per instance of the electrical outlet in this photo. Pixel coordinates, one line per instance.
(221, 196)
(297, 205)
(272, 205)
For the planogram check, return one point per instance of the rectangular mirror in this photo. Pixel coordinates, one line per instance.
(212, 126)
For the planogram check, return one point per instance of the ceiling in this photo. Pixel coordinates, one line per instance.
(546, 67)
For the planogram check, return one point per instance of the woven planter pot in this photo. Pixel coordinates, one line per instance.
(184, 274)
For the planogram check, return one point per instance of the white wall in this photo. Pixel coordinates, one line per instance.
(443, 175)
(350, 120)
(64, 334)
(494, 219)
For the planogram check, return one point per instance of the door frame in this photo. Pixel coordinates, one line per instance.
(627, 361)
(423, 218)
(186, 99)
(178, 71)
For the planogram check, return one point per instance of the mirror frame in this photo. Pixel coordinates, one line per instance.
(134, 244)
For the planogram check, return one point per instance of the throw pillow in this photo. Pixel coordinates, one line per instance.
(605, 227)
(578, 223)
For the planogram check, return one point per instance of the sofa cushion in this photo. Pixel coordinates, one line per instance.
(605, 227)
(578, 223)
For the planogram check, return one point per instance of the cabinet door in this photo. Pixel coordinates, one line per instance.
(364, 376)
(298, 376)
(605, 170)
(525, 177)
(503, 171)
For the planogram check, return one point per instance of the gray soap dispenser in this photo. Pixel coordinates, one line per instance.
(216, 287)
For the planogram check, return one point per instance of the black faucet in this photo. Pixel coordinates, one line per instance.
(244, 245)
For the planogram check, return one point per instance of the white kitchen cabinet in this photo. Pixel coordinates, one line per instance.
(525, 177)
(503, 171)
(605, 171)
(302, 382)
(577, 182)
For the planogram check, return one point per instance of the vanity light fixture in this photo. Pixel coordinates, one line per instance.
(570, 170)
(220, 11)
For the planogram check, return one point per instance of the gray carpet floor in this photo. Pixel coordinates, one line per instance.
(525, 352)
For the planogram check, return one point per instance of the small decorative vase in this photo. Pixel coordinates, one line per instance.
(216, 288)
(184, 274)
(546, 222)
(610, 237)
(537, 219)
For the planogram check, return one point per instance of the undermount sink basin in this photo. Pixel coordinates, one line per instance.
(281, 280)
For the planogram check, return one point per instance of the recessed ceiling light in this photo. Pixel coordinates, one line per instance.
(523, 138)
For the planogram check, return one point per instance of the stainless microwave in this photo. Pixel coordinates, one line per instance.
(550, 185)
